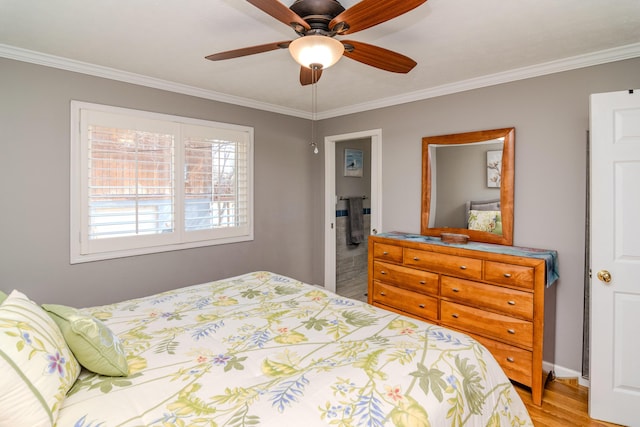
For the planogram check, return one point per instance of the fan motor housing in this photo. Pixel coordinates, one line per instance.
(317, 13)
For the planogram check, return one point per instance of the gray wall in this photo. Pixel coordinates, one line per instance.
(551, 117)
(34, 189)
(347, 186)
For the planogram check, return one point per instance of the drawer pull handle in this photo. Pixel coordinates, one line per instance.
(511, 302)
(415, 258)
(507, 275)
(511, 331)
(382, 293)
(421, 306)
(510, 359)
(455, 290)
(383, 272)
(385, 253)
(422, 282)
(463, 267)
(454, 315)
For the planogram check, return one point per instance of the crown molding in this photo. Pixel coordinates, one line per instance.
(566, 64)
(47, 60)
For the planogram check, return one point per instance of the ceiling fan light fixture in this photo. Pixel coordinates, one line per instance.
(322, 50)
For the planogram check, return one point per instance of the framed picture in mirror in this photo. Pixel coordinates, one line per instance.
(494, 168)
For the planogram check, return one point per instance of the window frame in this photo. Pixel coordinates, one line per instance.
(178, 239)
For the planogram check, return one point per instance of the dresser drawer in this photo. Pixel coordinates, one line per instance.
(515, 362)
(458, 266)
(408, 278)
(496, 298)
(504, 328)
(419, 305)
(509, 274)
(387, 252)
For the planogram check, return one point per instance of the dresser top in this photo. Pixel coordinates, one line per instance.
(550, 257)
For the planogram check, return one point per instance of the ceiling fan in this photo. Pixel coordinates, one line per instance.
(317, 22)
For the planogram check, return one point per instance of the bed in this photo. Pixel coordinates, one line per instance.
(265, 349)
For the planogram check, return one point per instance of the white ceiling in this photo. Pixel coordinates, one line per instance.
(458, 44)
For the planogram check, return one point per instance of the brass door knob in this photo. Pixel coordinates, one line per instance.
(604, 276)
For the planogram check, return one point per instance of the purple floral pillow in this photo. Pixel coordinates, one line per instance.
(37, 366)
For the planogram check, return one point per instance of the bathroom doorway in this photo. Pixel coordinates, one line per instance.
(352, 170)
(353, 216)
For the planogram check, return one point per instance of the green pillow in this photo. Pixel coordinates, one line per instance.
(3, 297)
(95, 346)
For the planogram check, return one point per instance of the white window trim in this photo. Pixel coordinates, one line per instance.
(77, 192)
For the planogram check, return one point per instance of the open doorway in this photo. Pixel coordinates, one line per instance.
(353, 216)
(369, 142)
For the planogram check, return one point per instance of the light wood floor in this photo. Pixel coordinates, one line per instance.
(564, 403)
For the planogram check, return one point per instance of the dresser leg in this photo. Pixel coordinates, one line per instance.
(538, 391)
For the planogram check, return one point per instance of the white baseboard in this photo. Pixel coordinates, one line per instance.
(562, 372)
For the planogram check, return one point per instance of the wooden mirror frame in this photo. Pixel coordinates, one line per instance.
(506, 185)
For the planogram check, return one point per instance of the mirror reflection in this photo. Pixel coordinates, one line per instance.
(463, 177)
(467, 185)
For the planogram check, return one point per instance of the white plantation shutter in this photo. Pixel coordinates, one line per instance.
(216, 184)
(130, 188)
(145, 182)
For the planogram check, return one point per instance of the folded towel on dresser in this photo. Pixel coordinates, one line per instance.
(355, 229)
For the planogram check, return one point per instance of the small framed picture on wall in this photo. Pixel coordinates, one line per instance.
(353, 161)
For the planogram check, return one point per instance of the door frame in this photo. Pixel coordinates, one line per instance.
(330, 197)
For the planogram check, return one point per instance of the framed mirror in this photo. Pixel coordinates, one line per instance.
(467, 185)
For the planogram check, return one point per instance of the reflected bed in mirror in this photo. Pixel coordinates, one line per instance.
(467, 185)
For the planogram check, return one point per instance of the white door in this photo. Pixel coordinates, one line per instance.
(614, 393)
(330, 197)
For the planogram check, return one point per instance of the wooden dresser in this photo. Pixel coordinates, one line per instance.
(496, 298)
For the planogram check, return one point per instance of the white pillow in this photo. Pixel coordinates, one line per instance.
(37, 366)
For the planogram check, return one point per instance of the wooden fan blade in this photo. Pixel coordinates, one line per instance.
(378, 57)
(281, 12)
(236, 53)
(368, 13)
(307, 74)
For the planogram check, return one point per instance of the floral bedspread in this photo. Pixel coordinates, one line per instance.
(264, 349)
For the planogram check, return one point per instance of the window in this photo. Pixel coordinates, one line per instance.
(145, 182)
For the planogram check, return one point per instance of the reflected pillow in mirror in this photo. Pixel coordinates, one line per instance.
(489, 221)
(489, 205)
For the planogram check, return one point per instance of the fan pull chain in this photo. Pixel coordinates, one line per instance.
(314, 107)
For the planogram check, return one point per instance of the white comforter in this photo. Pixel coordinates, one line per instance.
(263, 349)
